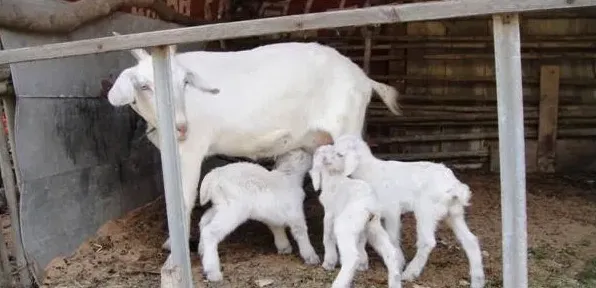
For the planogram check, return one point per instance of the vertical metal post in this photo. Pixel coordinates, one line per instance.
(170, 163)
(511, 149)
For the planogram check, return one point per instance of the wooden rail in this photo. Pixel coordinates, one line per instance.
(333, 19)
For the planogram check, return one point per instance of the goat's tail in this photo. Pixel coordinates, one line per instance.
(208, 187)
(388, 94)
(460, 197)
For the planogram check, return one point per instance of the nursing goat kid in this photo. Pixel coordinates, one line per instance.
(255, 103)
(352, 218)
(428, 189)
(242, 191)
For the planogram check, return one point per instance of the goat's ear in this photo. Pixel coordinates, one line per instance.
(351, 163)
(315, 177)
(139, 54)
(198, 82)
(315, 171)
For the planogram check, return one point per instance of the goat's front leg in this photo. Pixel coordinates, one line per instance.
(280, 238)
(362, 255)
(190, 168)
(346, 242)
(299, 230)
(330, 258)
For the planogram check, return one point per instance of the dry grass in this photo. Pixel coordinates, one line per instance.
(561, 226)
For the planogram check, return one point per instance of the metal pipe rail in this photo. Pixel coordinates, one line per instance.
(509, 91)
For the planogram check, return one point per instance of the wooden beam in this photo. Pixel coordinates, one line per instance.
(547, 119)
(333, 19)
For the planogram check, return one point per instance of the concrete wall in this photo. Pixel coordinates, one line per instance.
(82, 161)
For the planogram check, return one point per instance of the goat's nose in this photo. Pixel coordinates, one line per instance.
(182, 128)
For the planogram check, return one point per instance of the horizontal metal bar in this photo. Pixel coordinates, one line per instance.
(333, 19)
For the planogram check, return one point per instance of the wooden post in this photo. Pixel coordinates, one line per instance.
(10, 189)
(5, 271)
(548, 116)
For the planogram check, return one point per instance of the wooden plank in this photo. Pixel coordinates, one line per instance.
(332, 19)
(547, 119)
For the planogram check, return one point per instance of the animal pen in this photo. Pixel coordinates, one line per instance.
(511, 132)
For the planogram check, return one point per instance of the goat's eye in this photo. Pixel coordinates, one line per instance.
(145, 87)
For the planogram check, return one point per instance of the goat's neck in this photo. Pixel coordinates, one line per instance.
(329, 182)
(367, 160)
(294, 178)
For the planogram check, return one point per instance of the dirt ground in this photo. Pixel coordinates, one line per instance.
(562, 245)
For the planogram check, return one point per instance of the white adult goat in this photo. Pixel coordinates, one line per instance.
(352, 218)
(428, 189)
(268, 101)
(242, 191)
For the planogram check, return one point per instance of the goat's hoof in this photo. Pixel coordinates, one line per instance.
(214, 276)
(312, 260)
(328, 266)
(166, 245)
(408, 275)
(477, 282)
(362, 266)
(285, 250)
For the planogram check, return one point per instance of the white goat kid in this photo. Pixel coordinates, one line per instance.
(257, 103)
(242, 191)
(430, 190)
(352, 218)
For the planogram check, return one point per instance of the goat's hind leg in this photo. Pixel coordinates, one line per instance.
(379, 239)
(426, 224)
(225, 220)
(471, 246)
(205, 219)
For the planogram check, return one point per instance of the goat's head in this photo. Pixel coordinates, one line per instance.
(295, 161)
(353, 148)
(328, 160)
(135, 86)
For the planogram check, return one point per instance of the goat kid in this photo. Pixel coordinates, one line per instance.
(428, 189)
(242, 191)
(352, 218)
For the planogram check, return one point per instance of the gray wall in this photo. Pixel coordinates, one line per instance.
(82, 161)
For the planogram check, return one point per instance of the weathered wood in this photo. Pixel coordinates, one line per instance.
(468, 56)
(3, 87)
(8, 179)
(333, 19)
(529, 134)
(9, 103)
(431, 79)
(5, 268)
(465, 45)
(433, 155)
(548, 115)
(367, 49)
